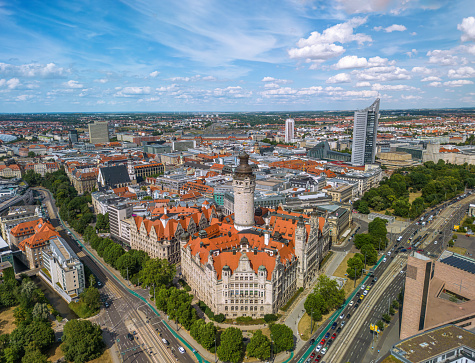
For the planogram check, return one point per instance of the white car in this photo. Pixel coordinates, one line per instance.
(317, 349)
(181, 350)
(165, 341)
(435, 242)
(362, 287)
(384, 259)
(324, 350)
(351, 303)
(342, 316)
(365, 292)
(389, 253)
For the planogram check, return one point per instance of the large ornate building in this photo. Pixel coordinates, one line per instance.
(242, 268)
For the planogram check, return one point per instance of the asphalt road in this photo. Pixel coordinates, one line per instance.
(126, 313)
(439, 229)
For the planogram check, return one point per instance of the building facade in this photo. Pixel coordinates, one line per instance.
(365, 132)
(117, 213)
(63, 269)
(255, 270)
(98, 132)
(289, 129)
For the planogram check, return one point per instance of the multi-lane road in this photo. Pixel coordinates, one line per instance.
(354, 338)
(126, 314)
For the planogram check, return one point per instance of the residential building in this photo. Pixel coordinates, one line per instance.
(98, 132)
(10, 171)
(142, 171)
(63, 270)
(117, 213)
(15, 216)
(365, 132)
(289, 129)
(84, 180)
(342, 193)
(322, 151)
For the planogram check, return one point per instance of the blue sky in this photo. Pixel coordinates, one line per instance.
(211, 55)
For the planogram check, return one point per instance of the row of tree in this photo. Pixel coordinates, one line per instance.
(436, 182)
(326, 297)
(368, 244)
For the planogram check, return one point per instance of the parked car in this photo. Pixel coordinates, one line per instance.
(181, 350)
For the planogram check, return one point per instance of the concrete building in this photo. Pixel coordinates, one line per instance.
(438, 293)
(15, 216)
(63, 270)
(448, 343)
(365, 132)
(289, 129)
(98, 132)
(73, 136)
(117, 213)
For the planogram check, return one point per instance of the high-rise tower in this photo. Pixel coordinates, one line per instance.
(365, 131)
(289, 129)
(244, 184)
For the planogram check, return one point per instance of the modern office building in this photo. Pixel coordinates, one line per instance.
(63, 270)
(117, 213)
(365, 130)
(98, 132)
(289, 129)
(73, 136)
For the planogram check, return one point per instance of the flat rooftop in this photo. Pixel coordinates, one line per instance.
(433, 343)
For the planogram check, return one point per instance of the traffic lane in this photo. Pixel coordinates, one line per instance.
(363, 339)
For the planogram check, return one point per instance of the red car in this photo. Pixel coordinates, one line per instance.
(409, 248)
(334, 336)
(323, 342)
(313, 355)
(318, 358)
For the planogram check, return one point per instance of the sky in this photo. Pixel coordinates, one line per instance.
(235, 55)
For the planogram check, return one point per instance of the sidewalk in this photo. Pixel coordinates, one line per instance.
(385, 342)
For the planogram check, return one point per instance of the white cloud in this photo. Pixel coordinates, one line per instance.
(430, 79)
(283, 91)
(363, 84)
(154, 74)
(350, 61)
(49, 70)
(132, 91)
(392, 28)
(271, 85)
(232, 91)
(457, 83)
(24, 97)
(168, 88)
(462, 72)
(102, 80)
(73, 84)
(467, 27)
(275, 80)
(319, 47)
(364, 93)
(208, 78)
(411, 53)
(13, 83)
(395, 87)
(309, 91)
(339, 78)
(435, 84)
(421, 70)
(382, 74)
(411, 97)
(444, 57)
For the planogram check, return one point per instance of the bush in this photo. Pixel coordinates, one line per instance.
(270, 318)
(244, 319)
(187, 288)
(219, 318)
(380, 325)
(395, 304)
(386, 318)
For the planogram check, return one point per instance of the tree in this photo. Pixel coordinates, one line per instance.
(377, 229)
(355, 267)
(207, 335)
(380, 325)
(82, 341)
(395, 304)
(259, 346)
(282, 337)
(370, 252)
(363, 207)
(362, 239)
(315, 306)
(40, 312)
(31, 154)
(270, 318)
(157, 272)
(330, 292)
(38, 331)
(386, 318)
(27, 290)
(20, 314)
(195, 329)
(92, 280)
(91, 298)
(33, 355)
(230, 349)
(7, 293)
(9, 274)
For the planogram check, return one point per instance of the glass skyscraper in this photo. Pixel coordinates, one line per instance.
(365, 131)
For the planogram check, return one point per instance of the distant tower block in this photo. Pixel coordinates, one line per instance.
(244, 184)
(289, 129)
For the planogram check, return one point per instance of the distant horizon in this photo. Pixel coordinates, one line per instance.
(286, 56)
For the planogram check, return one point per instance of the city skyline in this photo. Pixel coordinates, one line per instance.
(132, 56)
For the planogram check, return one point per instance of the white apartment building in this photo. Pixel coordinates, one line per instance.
(289, 129)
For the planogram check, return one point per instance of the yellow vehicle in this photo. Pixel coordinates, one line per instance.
(361, 297)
